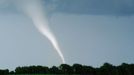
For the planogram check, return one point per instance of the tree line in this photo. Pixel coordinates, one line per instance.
(105, 69)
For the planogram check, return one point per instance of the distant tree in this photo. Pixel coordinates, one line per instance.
(11, 72)
(4, 72)
(32, 70)
(88, 70)
(66, 69)
(126, 69)
(54, 70)
(77, 68)
(42, 69)
(107, 69)
(131, 69)
(18, 70)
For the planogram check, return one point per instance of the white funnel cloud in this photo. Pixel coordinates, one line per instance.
(33, 9)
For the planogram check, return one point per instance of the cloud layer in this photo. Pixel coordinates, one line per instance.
(93, 7)
(100, 7)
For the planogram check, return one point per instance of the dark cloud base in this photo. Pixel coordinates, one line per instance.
(92, 7)
(95, 7)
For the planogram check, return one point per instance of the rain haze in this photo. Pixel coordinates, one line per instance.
(89, 32)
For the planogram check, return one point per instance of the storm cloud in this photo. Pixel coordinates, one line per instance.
(91, 7)
(96, 7)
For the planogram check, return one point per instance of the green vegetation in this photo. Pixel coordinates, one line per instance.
(75, 69)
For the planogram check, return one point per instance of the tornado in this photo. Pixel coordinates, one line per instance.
(35, 11)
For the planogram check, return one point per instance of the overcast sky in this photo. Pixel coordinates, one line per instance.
(89, 32)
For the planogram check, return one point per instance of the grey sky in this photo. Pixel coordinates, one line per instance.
(95, 7)
(89, 32)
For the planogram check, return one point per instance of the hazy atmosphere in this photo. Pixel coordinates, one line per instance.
(88, 32)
